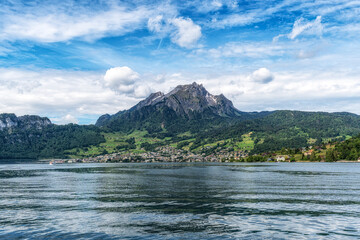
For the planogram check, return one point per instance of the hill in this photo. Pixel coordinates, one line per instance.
(33, 137)
(291, 129)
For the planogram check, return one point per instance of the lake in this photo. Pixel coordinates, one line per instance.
(180, 201)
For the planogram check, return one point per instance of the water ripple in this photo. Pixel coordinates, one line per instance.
(180, 201)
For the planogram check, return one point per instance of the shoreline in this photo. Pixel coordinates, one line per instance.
(74, 161)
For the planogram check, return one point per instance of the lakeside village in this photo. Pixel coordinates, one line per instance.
(172, 154)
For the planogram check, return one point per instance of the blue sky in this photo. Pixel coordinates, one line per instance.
(75, 60)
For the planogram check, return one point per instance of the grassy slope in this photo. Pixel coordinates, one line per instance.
(112, 141)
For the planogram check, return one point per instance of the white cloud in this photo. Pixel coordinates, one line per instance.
(302, 26)
(187, 33)
(142, 91)
(55, 94)
(235, 20)
(183, 31)
(156, 24)
(209, 6)
(121, 79)
(252, 50)
(124, 80)
(45, 24)
(313, 90)
(262, 75)
(260, 13)
(259, 51)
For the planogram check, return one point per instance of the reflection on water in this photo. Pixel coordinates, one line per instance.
(180, 201)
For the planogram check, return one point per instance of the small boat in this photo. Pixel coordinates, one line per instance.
(51, 163)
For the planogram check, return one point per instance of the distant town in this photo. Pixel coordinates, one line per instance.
(172, 154)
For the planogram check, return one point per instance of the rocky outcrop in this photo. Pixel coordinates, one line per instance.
(9, 121)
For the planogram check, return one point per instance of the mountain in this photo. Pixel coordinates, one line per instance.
(9, 122)
(188, 99)
(213, 118)
(33, 137)
(190, 107)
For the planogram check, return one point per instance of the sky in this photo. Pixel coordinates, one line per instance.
(73, 61)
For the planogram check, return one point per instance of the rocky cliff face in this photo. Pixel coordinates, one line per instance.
(185, 99)
(11, 121)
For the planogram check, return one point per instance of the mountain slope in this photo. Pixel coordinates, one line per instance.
(292, 129)
(35, 137)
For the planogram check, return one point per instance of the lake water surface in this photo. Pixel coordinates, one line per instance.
(180, 201)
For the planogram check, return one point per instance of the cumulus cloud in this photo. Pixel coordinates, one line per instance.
(262, 75)
(187, 33)
(121, 79)
(124, 80)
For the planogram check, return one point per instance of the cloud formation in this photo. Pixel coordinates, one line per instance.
(59, 93)
(44, 24)
(156, 24)
(182, 31)
(187, 33)
(262, 75)
(123, 80)
(302, 26)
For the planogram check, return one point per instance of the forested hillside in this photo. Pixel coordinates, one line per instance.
(349, 149)
(49, 142)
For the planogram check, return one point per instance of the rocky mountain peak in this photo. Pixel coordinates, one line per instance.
(189, 101)
(194, 89)
(151, 100)
(195, 98)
